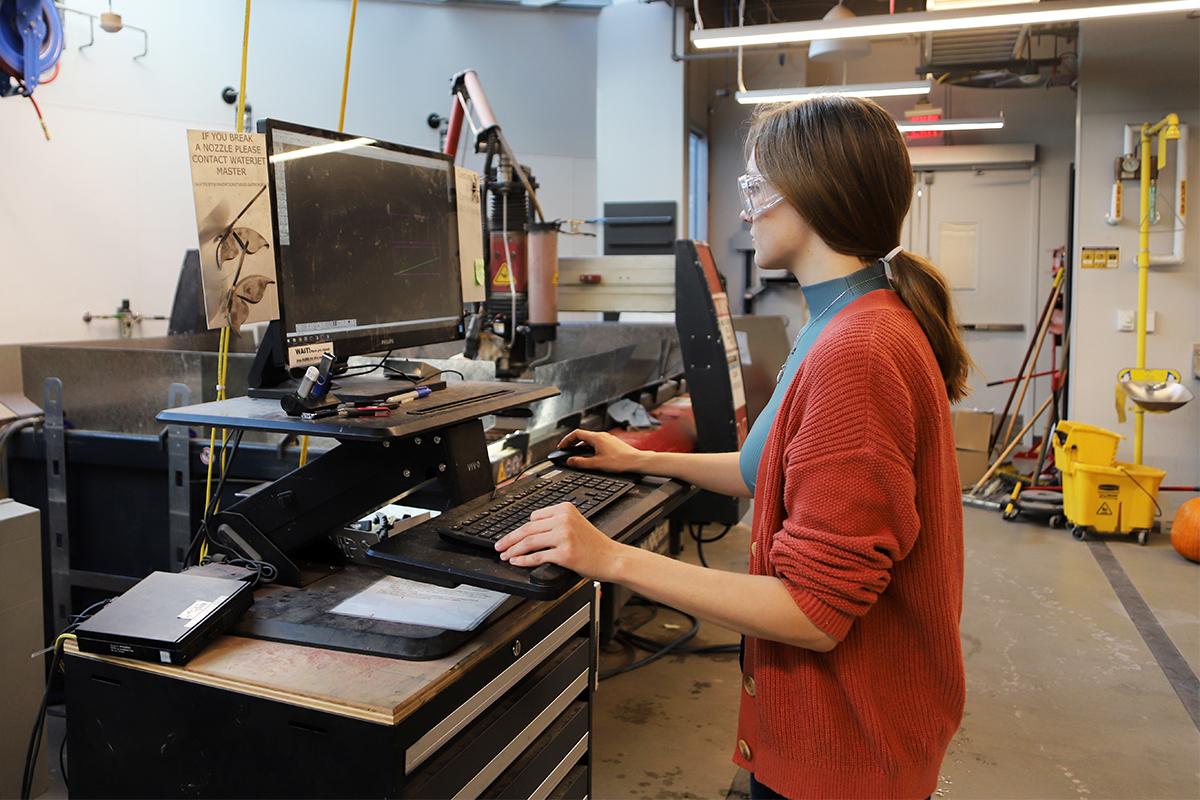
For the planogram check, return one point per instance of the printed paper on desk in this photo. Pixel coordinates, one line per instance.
(411, 603)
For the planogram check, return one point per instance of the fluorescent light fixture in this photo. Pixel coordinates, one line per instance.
(945, 5)
(895, 89)
(932, 22)
(988, 124)
(320, 149)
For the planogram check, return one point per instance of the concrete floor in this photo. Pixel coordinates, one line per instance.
(1064, 698)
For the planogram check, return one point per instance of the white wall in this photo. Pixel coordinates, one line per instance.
(641, 133)
(104, 211)
(1134, 76)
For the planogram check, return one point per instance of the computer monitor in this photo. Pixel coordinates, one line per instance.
(367, 247)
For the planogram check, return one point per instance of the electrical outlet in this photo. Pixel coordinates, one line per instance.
(1127, 320)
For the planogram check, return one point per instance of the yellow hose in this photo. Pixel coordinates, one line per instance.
(346, 75)
(241, 103)
(341, 128)
(226, 333)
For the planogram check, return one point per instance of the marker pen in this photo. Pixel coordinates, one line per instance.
(410, 395)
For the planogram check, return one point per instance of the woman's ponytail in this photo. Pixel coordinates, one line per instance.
(924, 290)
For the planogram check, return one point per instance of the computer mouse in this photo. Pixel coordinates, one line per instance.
(582, 449)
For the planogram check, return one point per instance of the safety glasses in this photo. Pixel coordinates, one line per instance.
(758, 196)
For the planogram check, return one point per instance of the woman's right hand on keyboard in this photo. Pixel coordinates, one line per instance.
(612, 454)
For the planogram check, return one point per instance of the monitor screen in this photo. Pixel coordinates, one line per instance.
(367, 238)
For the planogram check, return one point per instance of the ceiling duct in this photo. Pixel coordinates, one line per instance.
(951, 49)
(1003, 58)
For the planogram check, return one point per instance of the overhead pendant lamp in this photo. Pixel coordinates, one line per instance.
(838, 49)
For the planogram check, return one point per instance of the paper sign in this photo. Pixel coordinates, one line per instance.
(469, 186)
(958, 254)
(303, 355)
(233, 220)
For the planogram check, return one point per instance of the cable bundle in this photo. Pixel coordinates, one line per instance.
(39, 725)
(657, 649)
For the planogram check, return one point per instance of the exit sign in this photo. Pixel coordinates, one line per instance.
(924, 112)
(924, 134)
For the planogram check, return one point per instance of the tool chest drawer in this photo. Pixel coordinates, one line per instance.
(479, 754)
(548, 761)
(572, 787)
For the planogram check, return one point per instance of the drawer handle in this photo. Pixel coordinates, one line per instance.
(300, 726)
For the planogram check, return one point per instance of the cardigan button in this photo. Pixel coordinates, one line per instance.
(748, 684)
(744, 749)
(754, 549)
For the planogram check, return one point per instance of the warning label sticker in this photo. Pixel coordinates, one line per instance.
(1105, 510)
(502, 278)
(1100, 258)
(302, 355)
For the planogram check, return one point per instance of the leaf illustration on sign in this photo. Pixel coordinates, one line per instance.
(252, 288)
(245, 293)
(237, 240)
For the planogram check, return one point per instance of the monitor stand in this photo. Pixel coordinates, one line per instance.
(287, 522)
(270, 379)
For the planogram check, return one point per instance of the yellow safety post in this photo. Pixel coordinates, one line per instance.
(1165, 128)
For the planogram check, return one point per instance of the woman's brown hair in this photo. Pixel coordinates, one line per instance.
(842, 164)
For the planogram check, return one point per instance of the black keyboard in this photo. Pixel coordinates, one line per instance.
(484, 521)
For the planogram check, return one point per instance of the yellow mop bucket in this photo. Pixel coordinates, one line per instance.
(1122, 498)
(1079, 443)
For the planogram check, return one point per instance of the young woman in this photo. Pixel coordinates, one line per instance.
(853, 677)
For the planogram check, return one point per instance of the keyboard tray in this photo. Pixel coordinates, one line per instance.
(422, 554)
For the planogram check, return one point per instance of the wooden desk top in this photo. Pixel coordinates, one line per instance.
(370, 688)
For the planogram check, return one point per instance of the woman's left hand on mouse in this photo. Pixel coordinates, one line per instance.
(560, 535)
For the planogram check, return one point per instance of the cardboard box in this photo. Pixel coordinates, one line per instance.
(973, 429)
(21, 630)
(971, 466)
(10, 369)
